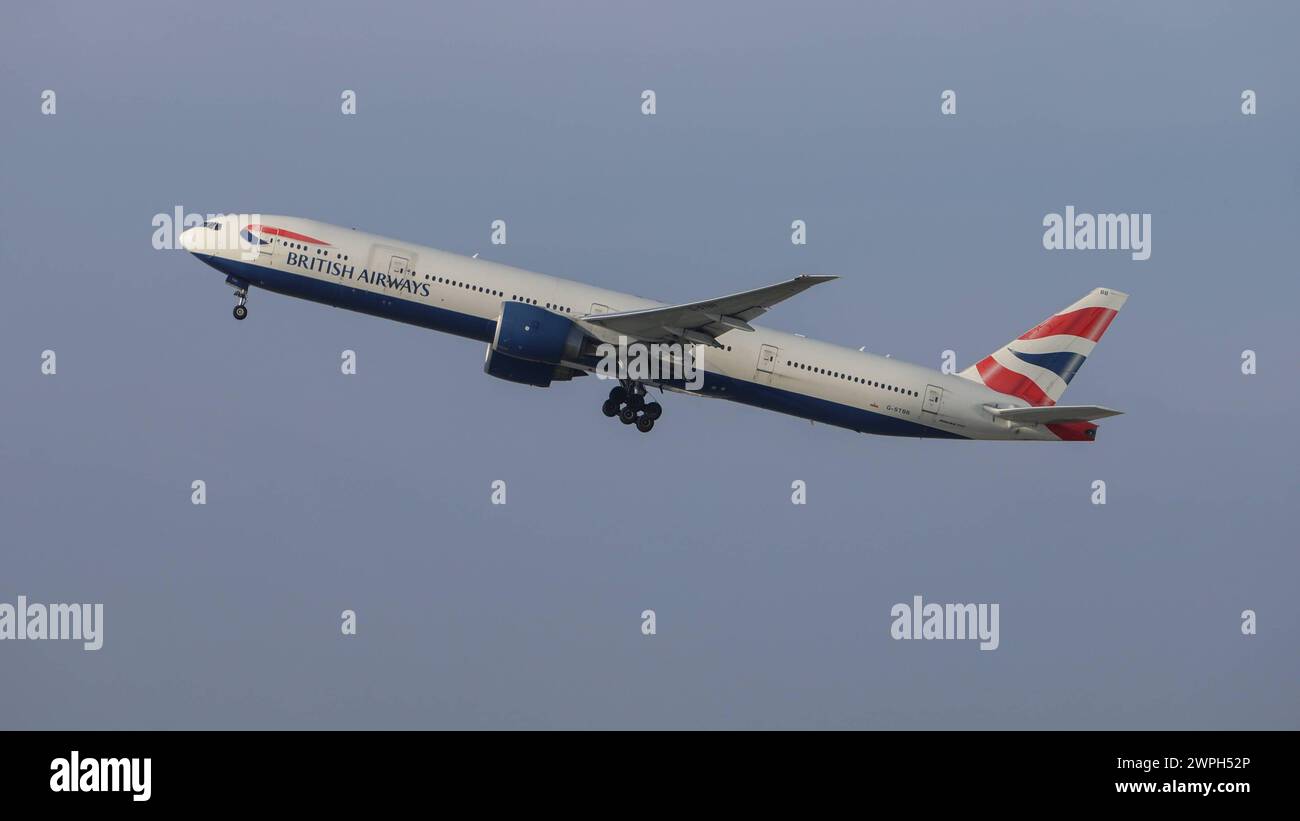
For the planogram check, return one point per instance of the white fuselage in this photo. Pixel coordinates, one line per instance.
(463, 295)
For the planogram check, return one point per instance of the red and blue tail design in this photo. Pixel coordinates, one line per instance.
(1039, 364)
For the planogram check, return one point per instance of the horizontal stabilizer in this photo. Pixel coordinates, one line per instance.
(1053, 413)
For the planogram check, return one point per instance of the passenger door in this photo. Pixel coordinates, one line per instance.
(398, 266)
(933, 403)
(768, 355)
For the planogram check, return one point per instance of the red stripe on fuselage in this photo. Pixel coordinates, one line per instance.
(1005, 380)
(1089, 323)
(281, 232)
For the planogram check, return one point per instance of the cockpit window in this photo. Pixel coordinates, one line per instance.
(215, 226)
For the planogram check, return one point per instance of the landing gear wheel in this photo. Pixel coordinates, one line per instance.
(654, 410)
(241, 297)
(617, 395)
(644, 424)
(627, 414)
(610, 408)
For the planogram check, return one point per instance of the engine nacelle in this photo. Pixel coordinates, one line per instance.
(511, 369)
(530, 343)
(529, 332)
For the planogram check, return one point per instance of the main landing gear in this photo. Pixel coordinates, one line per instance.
(627, 402)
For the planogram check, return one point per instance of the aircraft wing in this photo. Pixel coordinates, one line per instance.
(1054, 413)
(703, 322)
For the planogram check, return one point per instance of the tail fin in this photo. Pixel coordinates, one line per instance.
(1039, 364)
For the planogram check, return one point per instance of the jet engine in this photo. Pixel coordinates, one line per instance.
(530, 343)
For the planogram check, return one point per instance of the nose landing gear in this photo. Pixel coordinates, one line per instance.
(241, 297)
(627, 402)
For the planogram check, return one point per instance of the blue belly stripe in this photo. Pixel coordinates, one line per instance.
(341, 295)
(716, 385)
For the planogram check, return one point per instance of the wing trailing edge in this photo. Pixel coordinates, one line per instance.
(703, 322)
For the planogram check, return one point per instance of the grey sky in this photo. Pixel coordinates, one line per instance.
(371, 492)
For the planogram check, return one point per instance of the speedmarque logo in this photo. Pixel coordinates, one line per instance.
(74, 774)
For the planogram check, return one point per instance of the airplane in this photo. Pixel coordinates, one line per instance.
(540, 329)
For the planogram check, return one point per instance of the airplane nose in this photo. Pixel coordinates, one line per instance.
(189, 239)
